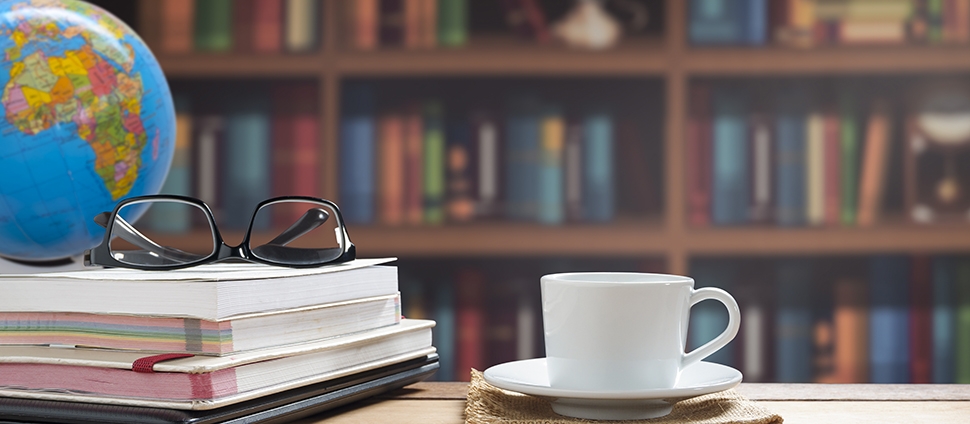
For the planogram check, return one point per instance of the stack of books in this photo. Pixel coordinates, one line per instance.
(240, 341)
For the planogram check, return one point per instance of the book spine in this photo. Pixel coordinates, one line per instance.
(247, 171)
(526, 324)
(301, 23)
(872, 179)
(920, 322)
(434, 164)
(790, 189)
(392, 177)
(391, 22)
(208, 167)
(698, 156)
(452, 22)
(461, 207)
(849, 134)
(851, 321)
(306, 137)
(962, 339)
(598, 199)
(730, 197)
(762, 177)
(717, 22)
(487, 168)
(944, 320)
(363, 24)
(281, 139)
(357, 134)
(470, 321)
(889, 320)
(413, 166)
(428, 30)
(573, 171)
(412, 23)
(522, 151)
(756, 24)
(243, 17)
(551, 207)
(815, 169)
(268, 26)
(793, 331)
(832, 167)
(444, 332)
(178, 17)
(213, 25)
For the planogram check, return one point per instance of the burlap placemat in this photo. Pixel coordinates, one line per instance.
(489, 404)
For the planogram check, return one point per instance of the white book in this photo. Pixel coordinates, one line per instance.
(815, 169)
(210, 292)
(202, 382)
(301, 25)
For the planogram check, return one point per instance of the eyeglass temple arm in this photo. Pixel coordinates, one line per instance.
(310, 220)
(133, 236)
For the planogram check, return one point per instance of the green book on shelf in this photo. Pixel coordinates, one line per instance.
(849, 127)
(452, 22)
(434, 164)
(962, 339)
(213, 25)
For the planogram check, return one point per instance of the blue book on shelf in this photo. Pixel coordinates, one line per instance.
(598, 197)
(708, 319)
(793, 323)
(357, 138)
(889, 319)
(246, 180)
(551, 205)
(522, 159)
(730, 195)
(944, 320)
(790, 162)
(756, 22)
(717, 22)
(443, 332)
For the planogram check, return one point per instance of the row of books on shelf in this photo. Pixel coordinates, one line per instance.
(892, 319)
(205, 346)
(532, 161)
(240, 26)
(803, 164)
(248, 150)
(807, 23)
(412, 24)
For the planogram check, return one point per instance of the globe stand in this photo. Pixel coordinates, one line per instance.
(19, 266)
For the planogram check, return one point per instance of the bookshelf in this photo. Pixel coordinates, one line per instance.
(667, 57)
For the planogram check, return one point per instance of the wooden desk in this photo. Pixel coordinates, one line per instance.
(433, 403)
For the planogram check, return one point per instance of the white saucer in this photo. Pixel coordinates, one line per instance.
(530, 377)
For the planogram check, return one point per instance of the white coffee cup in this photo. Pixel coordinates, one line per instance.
(617, 331)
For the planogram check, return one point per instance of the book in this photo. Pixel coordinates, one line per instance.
(413, 20)
(246, 177)
(717, 22)
(434, 163)
(243, 17)
(944, 320)
(445, 331)
(414, 165)
(874, 163)
(286, 405)
(889, 335)
(598, 170)
(452, 22)
(790, 163)
(267, 26)
(793, 322)
(460, 204)
(921, 321)
(357, 139)
(850, 318)
(487, 165)
(752, 347)
(428, 24)
(210, 292)
(469, 322)
(501, 307)
(730, 196)
(294, 136)
(178, 17)
(228, 336)
(815, 168)
(699, 165)
(832, 169)
(573, 171)
(823, 334)
(850, 148)
(762, 168)
(391, 22)
(213, 25)
(550, 204)
(363, 24)
(392, 160)
(962, 333)
(301, 25)
(202, 382)
(522, 137)
(209, 136)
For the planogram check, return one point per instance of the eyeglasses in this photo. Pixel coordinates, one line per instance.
(303, 232)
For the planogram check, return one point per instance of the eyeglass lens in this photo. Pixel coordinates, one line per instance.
(299, 233)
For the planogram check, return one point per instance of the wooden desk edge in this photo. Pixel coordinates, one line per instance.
(754, 391)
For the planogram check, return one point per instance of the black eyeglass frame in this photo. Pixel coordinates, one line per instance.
(101, 254)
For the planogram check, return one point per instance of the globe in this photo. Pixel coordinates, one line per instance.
(87, 119)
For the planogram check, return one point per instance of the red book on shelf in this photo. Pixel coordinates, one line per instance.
(832, 164)
(268, 26)
(470, 323)
(362, 24)
(242, 26)
(178, 20)
(414, 166)
(392, 165)
(699, 157)
(921, 322)
(412, 23)
(295, 137)
(850, 320)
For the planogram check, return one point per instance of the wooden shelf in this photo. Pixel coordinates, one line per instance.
(834, 60)
(216, 65)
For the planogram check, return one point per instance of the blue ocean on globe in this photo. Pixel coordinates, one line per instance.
(87, 119)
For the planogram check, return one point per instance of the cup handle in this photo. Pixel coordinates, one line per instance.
(734, 323)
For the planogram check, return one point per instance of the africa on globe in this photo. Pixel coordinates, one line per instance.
(87, 119)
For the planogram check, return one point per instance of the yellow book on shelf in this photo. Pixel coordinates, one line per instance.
(872, 175)
(815, 169)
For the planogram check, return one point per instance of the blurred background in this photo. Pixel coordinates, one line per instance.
(809, 156)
